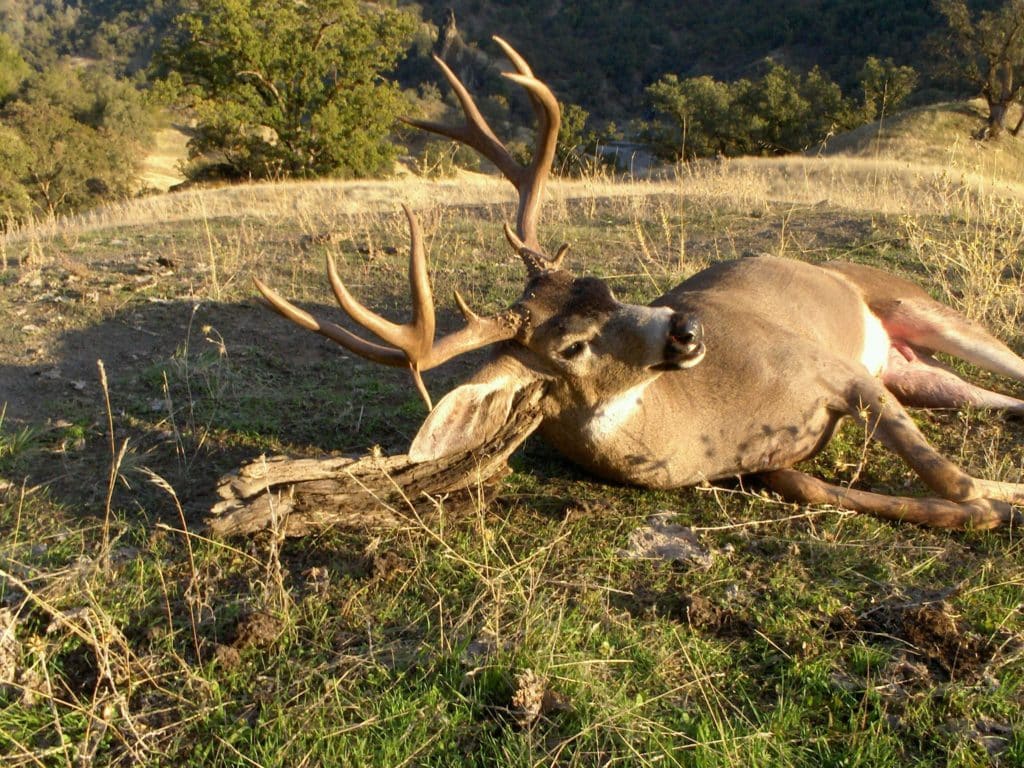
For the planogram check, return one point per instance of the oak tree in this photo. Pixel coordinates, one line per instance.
(987, 51)
(286, 89)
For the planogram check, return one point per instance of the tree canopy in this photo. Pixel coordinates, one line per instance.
(70, 137)
(782, 111)
(286, 89)
(987, 50)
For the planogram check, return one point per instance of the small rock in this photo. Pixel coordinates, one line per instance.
(660, 539)
(478, 651)
(124, 555)
(994, 737)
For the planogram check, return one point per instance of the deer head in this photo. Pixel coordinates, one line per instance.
(569, 332)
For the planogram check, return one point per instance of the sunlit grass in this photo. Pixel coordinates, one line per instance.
(808, 637)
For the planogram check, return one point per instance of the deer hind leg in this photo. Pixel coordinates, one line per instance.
(888, 422)
(922, 323)
(919, 380)
(918, 326)
(801, 488)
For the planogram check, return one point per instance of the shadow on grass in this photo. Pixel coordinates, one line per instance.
(196, 389)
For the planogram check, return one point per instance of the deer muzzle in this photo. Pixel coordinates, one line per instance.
(684, 347)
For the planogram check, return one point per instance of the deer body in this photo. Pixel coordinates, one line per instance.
(746, 407)
(745, 368)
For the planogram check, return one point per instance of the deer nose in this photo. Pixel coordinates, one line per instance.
(685, 332)
(685, 345)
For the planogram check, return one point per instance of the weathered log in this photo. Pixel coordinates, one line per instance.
(297, 497)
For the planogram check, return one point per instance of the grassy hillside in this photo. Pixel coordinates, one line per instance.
(938, 134)
(161, 168)
(525, 632)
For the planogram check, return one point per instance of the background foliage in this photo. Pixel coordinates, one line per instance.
(777, 113)
(695, 79)
(74, 137)
(281, 89)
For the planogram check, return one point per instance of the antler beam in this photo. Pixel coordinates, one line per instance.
(409, 345)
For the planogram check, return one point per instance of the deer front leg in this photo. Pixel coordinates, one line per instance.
(887, 421)
(801, 488)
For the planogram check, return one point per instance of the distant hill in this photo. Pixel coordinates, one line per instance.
(937, 134)
(603, 53)
(600, 54)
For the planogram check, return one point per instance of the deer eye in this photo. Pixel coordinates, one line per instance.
(573, 350)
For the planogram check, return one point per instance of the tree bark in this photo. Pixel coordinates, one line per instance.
(996, 119)
(297, 497)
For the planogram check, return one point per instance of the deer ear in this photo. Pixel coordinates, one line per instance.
(465, 418)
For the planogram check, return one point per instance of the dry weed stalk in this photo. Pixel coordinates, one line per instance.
(116, 459)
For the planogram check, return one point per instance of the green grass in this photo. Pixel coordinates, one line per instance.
(813, 637)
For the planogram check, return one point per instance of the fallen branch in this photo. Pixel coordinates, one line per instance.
(297, 497)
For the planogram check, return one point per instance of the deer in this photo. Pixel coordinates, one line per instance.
(744, 369)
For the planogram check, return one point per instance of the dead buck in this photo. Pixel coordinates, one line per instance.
(744, 369)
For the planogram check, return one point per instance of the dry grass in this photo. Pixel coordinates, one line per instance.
(936, 135)
(161, 169)
(863, 184)
(519, 635)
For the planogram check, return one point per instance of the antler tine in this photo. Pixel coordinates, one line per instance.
(475, 132)
(410, 345)
(531, 189)
(514, 56)
(535, 261)
(414, 338)
(549, 118)
(337, 334)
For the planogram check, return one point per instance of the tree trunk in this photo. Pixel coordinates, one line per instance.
(297, 497)
(996, 119)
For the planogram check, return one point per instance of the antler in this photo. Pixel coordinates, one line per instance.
(529, 179)
(410, 345)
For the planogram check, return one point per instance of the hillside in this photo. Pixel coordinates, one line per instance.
(599, 54)
(603, 54)
(938, 134)
(919, 145)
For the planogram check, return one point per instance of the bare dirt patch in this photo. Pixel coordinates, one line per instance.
(701, 614)
(929, 631)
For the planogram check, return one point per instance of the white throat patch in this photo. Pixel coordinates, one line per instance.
(613, 414)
